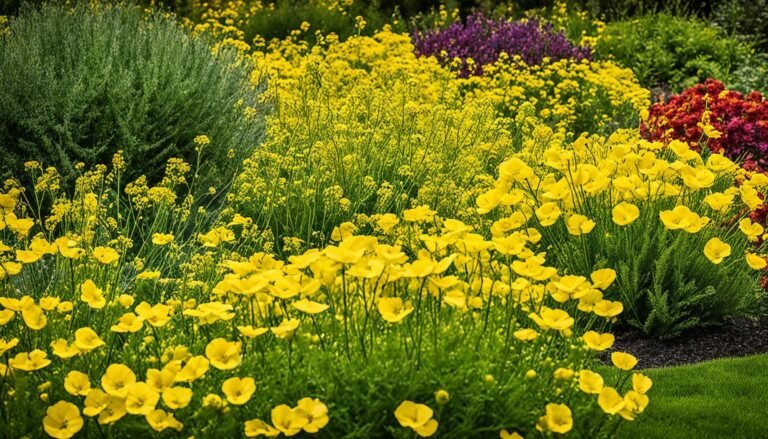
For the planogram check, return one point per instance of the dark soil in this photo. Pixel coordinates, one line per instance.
(737, 338)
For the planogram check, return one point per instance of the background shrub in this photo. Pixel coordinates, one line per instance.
(672, 52)
(78, 84)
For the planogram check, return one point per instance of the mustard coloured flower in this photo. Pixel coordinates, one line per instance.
(634, 404)
(623, 360)
(590, 382)
(30, 361)
(161, 239)
(157, 315)
(753, 231)
(194, 368)
(34, 317)
(92, 295)
(558, 419)
(608, 309)
(716, 250)
(223, 354)
(175, 398)
(505, 434)
(128, 322)
(62, 420)
(95, 402)
(525, 334)
(159, 420)
(290, 421)
(315, 412)
(6, 346)
(309, 307)
(756, 262)
(77, 383)
(625, 213)
(63, 350)
(641, 383)
(257, 427)
(238, 390)
(417, 417)
(251, 332)
(113, 412)
(579, 225)
(603, 278)
(105, 255)
(286, 329)
(140, 399)
(393, 309)
(598, 342)
(86, 339)
(117, 379)
(610, 401)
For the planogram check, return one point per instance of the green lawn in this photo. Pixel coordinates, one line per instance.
(725, 398)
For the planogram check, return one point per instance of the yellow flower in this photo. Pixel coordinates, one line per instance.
(176, 397)
(86, 339)
(579, 225)
(95, 402)
(223, 354)
(623, 360)
(393, 310)
(159, 420)
(34, 317)
(286, 329)
(752, 230)
(598, 342)
(62, 420)
(526, 334)
(315, 412)
(113, 412)
(117, 379)
(92, 295)
(756, 262)
(105, 255)
(309, 307)
(195, 367)
(442, 397)
(504, 434)
(162, 238)
(140, 399)
(257, 427)
(682, 218)
(77, 383)
(157, 315)
(625, 213)
(590, 382)
(128, 322)
(6, 346)
(62, 350)
(31, 361)
(610, 401)
(716, 250)
(289, 421)
(603, 278)
(608, 309)
(641, 383)
(634, 404)
(417, 417)
(556, 319)
(418, 214)
(548, 213)
(558, 419)
(251, 332)
(238, 390)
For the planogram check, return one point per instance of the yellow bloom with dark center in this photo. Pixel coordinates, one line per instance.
(753, 231)
(223, 354)
(113, 412)
(95, 401)
(62, 420)
(86, 339)
(417, 417)
(63, 350)
(603, 278)
(238, 390)
(548, 213)
(195, 367)
(128, 322)
(716, 250)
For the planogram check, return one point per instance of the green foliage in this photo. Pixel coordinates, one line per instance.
(78, 84)
(753, 75)
(747, 18)
(672, 52)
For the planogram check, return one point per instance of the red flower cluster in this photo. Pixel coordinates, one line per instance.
(741, 122)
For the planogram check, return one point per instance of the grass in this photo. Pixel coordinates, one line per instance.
(715, 399)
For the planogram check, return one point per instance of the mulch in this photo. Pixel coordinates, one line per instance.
(737, 338)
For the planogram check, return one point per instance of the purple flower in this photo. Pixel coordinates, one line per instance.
(483, 40)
